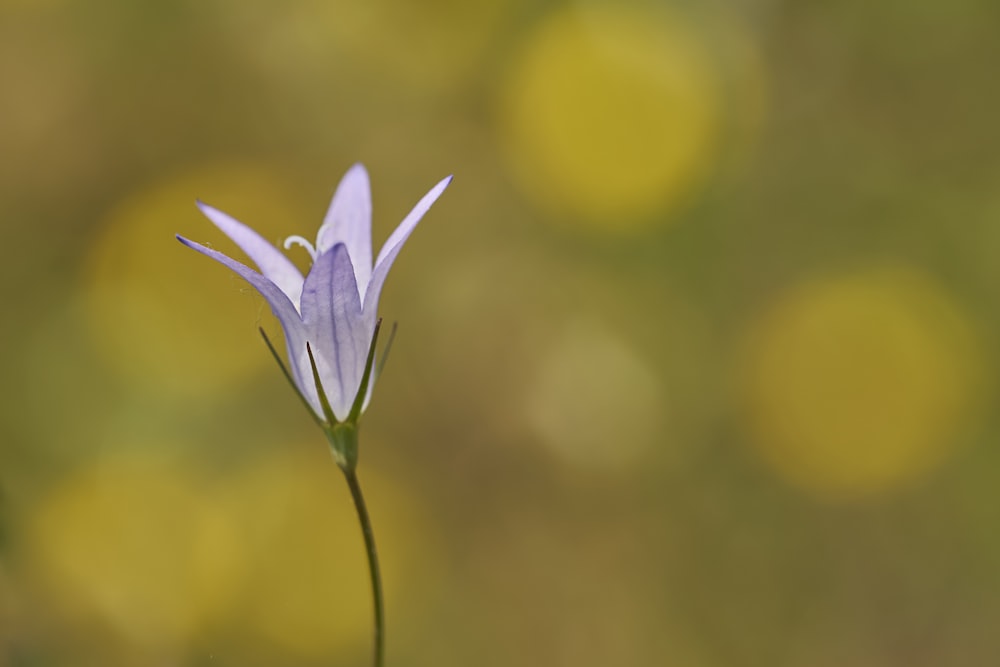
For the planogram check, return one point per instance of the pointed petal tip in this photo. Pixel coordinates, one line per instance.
(336, 249)
(194, 245)
(357, 175)
(203, 248)
(207, 209)
(443, 184)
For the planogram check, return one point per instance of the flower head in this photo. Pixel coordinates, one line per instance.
(329, 316)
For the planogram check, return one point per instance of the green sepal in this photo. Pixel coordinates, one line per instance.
(291, 381)
(385, 351)
(324, 402)
(359, 400)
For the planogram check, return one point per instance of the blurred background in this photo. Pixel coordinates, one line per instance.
(695, 364)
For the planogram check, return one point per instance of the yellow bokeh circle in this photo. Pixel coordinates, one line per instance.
(166, 316)
(271, 553)
(611, 115)
(858, 383)
(137, 545)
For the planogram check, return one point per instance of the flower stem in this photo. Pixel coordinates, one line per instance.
(366, 529)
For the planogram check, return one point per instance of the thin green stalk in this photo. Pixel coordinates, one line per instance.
(366, 529)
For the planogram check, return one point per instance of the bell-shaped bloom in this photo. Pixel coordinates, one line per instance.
(333, 310)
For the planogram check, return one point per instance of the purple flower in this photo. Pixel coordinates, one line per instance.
(332, 312)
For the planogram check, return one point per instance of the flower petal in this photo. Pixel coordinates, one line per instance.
(349, 221)
(391, 248)
(331, 311)
(281, 306)
(272, 262)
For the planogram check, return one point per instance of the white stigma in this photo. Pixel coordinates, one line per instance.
(298, 240)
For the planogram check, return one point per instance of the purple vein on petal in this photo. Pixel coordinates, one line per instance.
(331, 310)
(349, 221)
(273, 264)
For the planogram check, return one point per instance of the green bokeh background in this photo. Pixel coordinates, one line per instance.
(695, 364)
